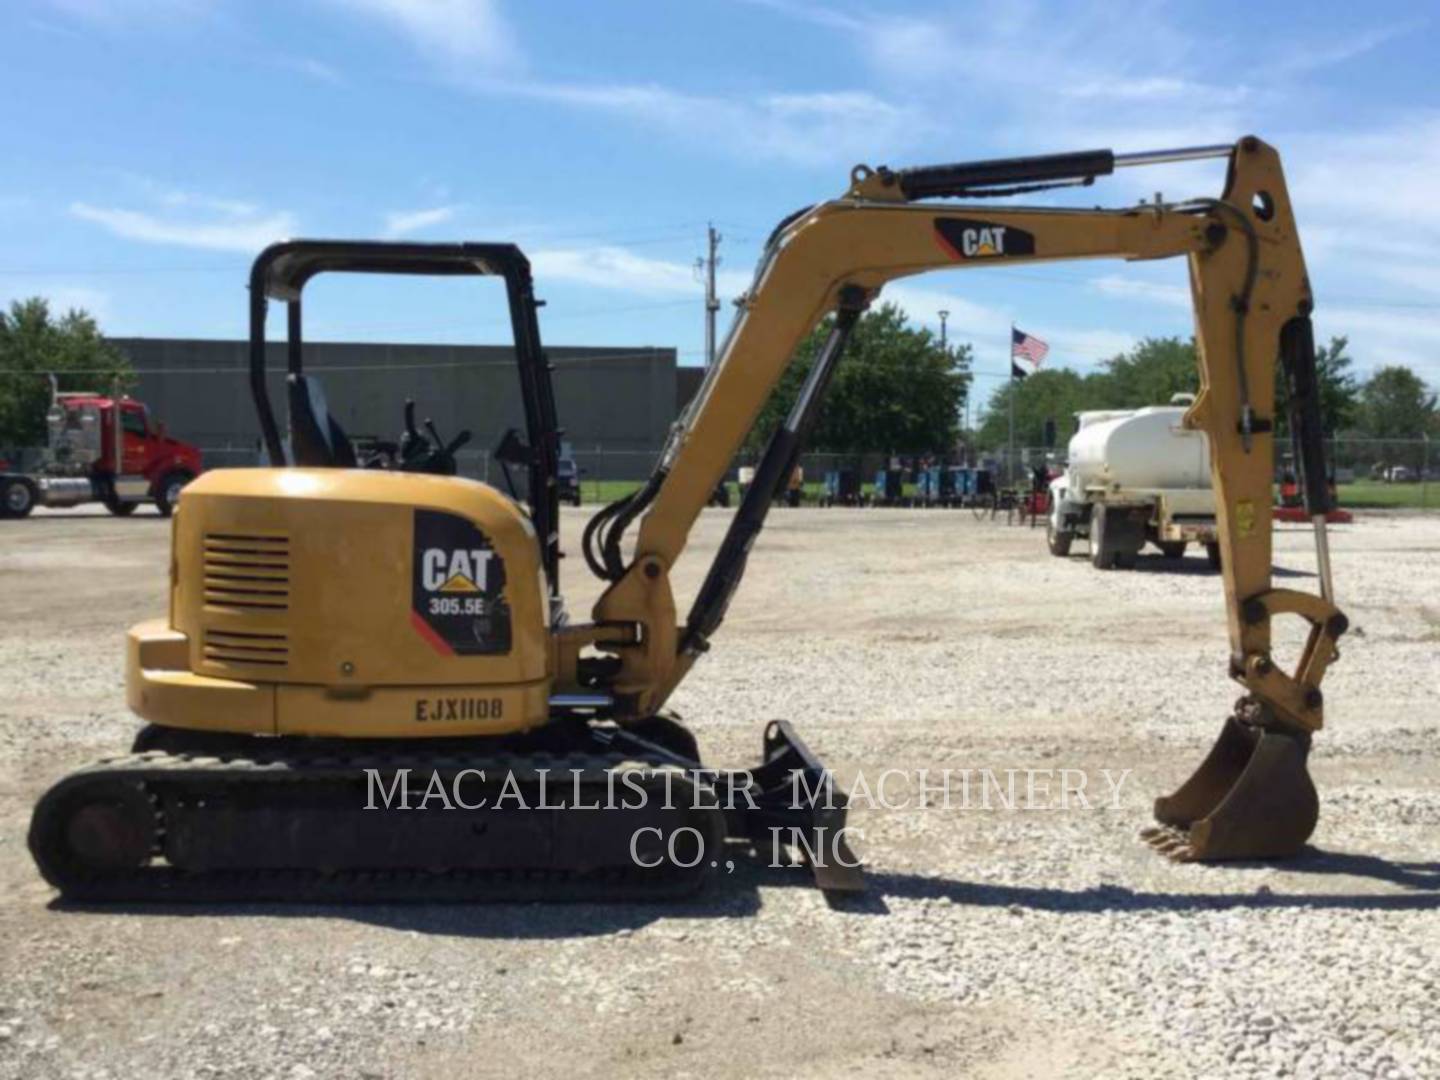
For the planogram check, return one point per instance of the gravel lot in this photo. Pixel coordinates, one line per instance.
(993, 943)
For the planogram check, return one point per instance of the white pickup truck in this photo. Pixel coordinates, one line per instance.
(1134, 476)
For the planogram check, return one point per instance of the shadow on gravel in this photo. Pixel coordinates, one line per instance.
(1421, 879)
(1189, 567)
(1412, 875)
(1157, 564)
(531, 919)
(729, 896)
(737, 895)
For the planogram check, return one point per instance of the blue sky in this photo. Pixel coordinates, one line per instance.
(155, 145)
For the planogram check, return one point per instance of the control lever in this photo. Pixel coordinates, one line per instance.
(441, 456)
(412, 443)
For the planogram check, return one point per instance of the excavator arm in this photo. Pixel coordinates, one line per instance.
(1252, 305)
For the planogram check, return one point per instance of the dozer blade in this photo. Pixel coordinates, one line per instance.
(795, 803)
(1252, 798)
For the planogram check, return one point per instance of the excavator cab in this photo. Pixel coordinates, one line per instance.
(316, 439)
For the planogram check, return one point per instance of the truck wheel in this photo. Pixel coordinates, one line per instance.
(1058, 540)
(113, 502)
(1212, 555)
(1172, 549)
(167, 491)
(1102, 556)
(17, 496)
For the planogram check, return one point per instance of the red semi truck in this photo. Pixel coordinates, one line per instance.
(88, 458)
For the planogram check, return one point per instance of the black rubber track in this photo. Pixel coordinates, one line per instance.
(287, 823)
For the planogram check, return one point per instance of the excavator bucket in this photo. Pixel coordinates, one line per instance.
(1252, 798)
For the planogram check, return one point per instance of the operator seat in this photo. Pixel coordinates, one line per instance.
(316, 439)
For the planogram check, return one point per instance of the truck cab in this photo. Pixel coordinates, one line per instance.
(166, 463)
(88, 458)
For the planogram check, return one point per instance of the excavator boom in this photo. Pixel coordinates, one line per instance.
(1252, 305)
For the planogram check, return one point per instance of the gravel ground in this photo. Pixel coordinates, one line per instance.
(991, 942)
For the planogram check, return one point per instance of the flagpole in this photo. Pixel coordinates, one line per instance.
(1010, 461)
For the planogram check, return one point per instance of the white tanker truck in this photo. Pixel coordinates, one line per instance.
(1134, 476)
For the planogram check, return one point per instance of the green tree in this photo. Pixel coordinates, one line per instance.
(1053, 394)
(895, 389)
(1339, 390)
(1149, 374)
(1396, 404)
(32, 345)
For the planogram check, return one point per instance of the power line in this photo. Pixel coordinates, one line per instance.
(504, 320)
(660, 235)
(53, 271)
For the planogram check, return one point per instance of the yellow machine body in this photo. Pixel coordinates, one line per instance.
(340, 602)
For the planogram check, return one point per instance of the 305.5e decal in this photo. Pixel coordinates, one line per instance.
(458, 587)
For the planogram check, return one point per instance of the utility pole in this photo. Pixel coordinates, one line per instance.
(712, 303)
(944, 315)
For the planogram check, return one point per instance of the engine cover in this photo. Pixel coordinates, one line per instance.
(349, 602)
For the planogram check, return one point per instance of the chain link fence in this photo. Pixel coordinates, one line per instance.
(1368, 473)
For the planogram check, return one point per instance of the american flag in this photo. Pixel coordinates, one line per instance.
(1027, 347)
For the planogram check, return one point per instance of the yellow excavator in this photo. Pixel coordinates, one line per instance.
(367, 685)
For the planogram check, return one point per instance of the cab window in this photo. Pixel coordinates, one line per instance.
(133, 422)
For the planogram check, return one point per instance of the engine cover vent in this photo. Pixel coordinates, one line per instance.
(247, 572)
(244, 647)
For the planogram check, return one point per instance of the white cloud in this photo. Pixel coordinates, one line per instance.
(967, 319)
(1309, 57)
(622, 270)
(406, 222)
(1379, 337)
(987, 328)
(802, 128)
(1154, 88)
(450, 31)
(1381, 176)
(1084, 347)
(471, 44)
(311, 68)
(918, 47)
(614, 268)
(238, 231)
(1125, 287)
(818, 14)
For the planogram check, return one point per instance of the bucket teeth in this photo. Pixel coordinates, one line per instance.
(1251, 798)
(1169, 841)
